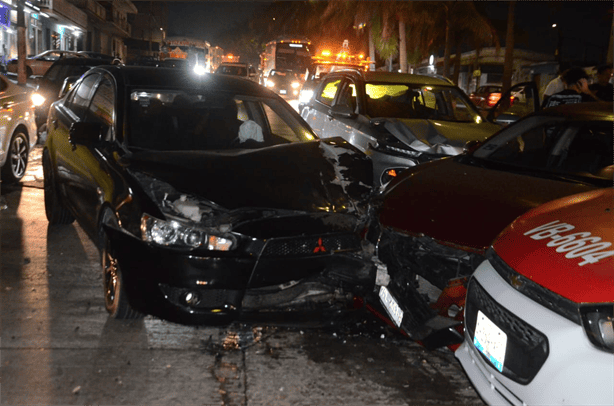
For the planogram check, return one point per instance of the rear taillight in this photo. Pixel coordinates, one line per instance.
(493, 98)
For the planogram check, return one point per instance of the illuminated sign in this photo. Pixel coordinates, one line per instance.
(5, 16)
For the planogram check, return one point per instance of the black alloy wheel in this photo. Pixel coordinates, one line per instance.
(115, 298)
(14, 168)
(54, 210)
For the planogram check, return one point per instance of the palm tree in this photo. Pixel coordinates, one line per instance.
(339, 15)
(463, 24)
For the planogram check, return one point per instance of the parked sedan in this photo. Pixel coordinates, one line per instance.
(399, 120)
(210, 198)
(18, 129)
(38, 64)
(486, 96)
(436, 221)
(539, 311)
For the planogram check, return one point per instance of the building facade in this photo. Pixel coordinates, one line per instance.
(74, 25)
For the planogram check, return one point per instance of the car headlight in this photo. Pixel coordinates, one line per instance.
(387, 148)
(295, 85)
(174, 233)
(598, 324)
(199, 70)
(305, 96)
(269, 83)
(38, 99)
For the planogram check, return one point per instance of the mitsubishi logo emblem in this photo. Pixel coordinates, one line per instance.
(320, 247)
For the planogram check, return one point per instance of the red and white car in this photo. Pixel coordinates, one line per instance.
(539, 310)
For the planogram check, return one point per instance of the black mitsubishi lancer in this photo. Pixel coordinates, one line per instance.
(209, 197)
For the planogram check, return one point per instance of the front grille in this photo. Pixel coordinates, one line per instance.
(527, 348)
(534, 291)
(311, 245)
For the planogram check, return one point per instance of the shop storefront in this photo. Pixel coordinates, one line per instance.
(42, 32)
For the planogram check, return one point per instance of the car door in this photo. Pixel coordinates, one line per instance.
(77, 164)
(345, 120)
(317, 112)
(14, 105)
(520, 100)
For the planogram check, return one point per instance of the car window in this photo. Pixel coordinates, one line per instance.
(53, 73)
(79, 100)
(52, 56)
(101, 109)
(554, 145)
(179, 120)
(328, 92)
(400, 100)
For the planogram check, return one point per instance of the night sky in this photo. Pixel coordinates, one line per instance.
(584, 25)
(208, 20)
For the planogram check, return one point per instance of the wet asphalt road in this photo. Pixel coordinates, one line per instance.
(58, 347)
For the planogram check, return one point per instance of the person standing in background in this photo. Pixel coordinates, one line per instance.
(603, 88)
(576, 89)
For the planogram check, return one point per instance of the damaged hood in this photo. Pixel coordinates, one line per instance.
(565, 246)
(437, 136)
(324, 175)
(462, 204)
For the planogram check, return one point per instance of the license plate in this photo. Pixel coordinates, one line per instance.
(391, 305)
(490, 340)
(282, 92)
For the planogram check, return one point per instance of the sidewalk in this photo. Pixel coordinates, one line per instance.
(34, 172)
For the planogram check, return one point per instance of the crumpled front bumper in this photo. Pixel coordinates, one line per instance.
(195, 289)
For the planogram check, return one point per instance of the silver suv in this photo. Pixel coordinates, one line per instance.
(400, 120)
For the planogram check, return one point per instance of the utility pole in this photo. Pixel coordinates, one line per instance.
(22, 77)
(508, 65)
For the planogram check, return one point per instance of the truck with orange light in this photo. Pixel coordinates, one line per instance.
(195, 51)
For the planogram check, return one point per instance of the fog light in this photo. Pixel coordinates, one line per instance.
(191, 298)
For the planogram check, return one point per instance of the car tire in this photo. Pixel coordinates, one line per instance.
(14, 168)
(115, 297)
(28, 71)
(54, 210)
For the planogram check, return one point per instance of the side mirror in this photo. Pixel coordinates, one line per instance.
(506, 119)
(86, 134)
(67, 85)
(341, 111)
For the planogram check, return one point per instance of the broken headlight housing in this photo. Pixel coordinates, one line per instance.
(179, 234)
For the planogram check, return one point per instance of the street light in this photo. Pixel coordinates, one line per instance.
(557, 51)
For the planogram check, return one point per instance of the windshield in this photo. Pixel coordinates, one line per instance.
(402, 100)
(167, 120)
(554, 145)
(236, 70)
(292, 56)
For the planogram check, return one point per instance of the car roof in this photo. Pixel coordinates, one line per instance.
(163, 77)
(582, 111)
(395, 77)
